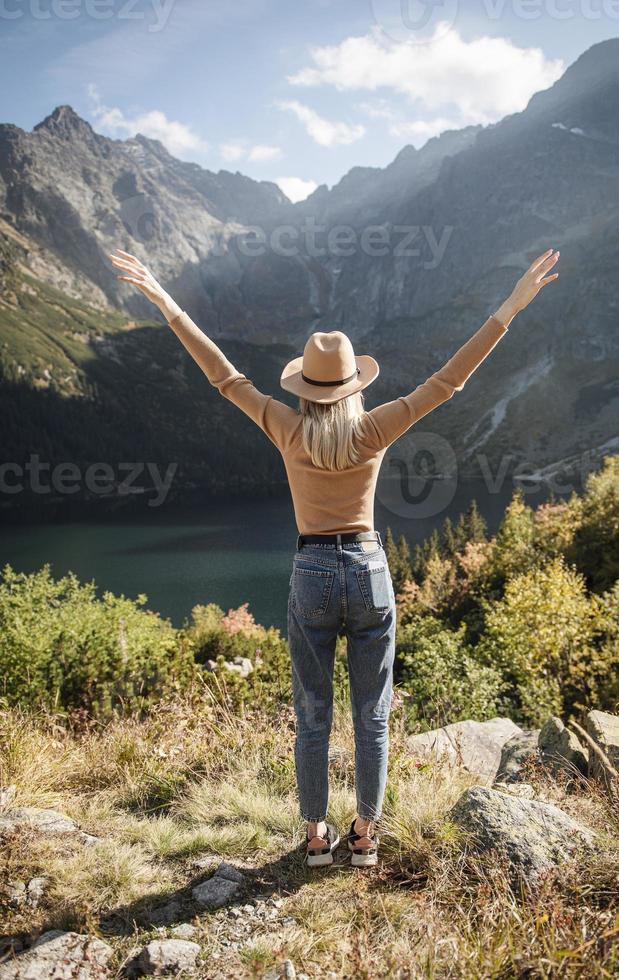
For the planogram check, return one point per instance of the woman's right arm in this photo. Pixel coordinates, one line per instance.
(389, 421)
(272, 416)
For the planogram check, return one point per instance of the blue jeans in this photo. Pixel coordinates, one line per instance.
(335, 587)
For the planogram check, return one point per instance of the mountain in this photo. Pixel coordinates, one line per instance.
(408, 259)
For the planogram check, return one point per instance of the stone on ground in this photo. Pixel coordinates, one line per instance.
(184, 931)
(285, 970)
(222, 887)
(534, 836)
(60, 956)
(603, 729)
(476, 745)
(7, 795)
(47, 821)
(516, 750)
(166, 957)
(560, 748)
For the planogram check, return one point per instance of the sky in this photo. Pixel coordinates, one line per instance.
(292, 91)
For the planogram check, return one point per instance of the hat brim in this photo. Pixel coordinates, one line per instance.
(292, 380)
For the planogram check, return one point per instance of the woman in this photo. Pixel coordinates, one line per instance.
(332, 450)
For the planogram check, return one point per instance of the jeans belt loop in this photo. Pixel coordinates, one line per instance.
(339, 545)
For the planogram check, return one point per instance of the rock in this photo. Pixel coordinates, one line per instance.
(242, 666)
(222, 887)
(216, 892)
(227, 870)
(7, 795)
(476, 745)
(284, 969)
(604, 730)
(166, 957)
(561, 749)
(533, 835)
(525, 790)
(36, 890)
(184, 931)
(89, 840)
(47, 821)
(60, 955)
(515, 751)
(14, 893)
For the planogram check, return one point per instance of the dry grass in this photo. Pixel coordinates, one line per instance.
(193, 779)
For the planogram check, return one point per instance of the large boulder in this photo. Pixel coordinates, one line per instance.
(515, 752)
(561, 749)
(475, 745)
(60, 956)
(532, 835)
(604, 730)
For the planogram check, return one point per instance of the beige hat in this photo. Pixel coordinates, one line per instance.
(329, 369)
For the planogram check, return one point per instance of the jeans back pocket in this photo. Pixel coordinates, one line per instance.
(311, 591)
(375, 584)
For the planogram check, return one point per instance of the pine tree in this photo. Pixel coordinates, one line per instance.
(476, 525)
(391, 551)
(461, 534)
(404, 553)
(450, 543)
(417, 564)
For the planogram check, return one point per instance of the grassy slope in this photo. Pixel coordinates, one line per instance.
(194, 780)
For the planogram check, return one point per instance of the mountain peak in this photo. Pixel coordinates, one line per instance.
(65, 123)
(586, 77)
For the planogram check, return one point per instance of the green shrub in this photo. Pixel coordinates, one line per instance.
(540, 637)
(61, 645)
(595, 549)
(441, 675)
(218, 639)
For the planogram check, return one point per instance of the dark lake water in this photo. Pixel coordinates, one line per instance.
(225, 552)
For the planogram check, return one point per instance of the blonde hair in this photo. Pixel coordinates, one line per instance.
(329, 431)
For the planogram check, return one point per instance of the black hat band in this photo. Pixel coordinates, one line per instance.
(331, 384)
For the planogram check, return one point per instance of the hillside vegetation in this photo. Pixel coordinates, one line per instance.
(163, 752)
(525, 623)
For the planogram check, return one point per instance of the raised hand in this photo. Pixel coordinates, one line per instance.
(136, 273)
(534, 279)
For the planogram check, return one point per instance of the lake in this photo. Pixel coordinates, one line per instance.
(228, 552)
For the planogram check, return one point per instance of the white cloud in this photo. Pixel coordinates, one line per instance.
(178, 138)
(295, 188)
(485, 79)
(324, 131)
(238, 150)
(377, 109)
(262, 153)
(231, 152)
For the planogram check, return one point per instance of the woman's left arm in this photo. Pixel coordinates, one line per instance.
(391, 420)
(273, 417)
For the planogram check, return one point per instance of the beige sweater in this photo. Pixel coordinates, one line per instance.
(332, 501)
